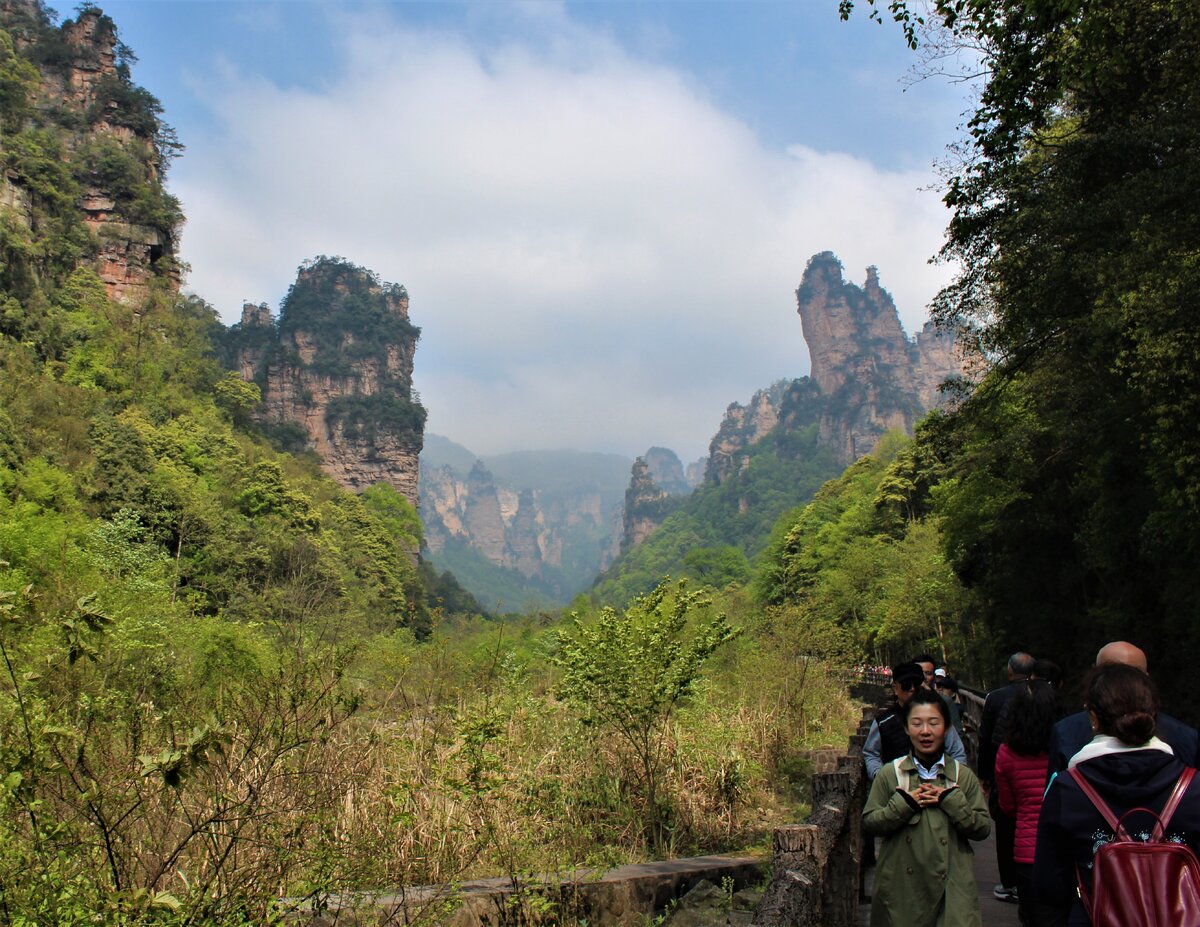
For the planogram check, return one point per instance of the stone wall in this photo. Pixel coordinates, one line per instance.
(816, 866)
(628, 896)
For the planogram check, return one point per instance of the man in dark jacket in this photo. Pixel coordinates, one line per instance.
(1020, 665)
(888, 738)
(1074, 732)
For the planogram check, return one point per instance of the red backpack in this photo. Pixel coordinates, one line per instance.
(1136, 883)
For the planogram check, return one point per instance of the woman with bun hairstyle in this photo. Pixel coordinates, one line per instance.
(927, 807)
(1129, 768)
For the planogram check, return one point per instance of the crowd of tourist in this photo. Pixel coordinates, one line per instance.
(1053, 788)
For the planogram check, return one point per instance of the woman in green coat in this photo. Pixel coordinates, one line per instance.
(927, 807)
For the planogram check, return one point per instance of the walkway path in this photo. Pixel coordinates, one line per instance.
(995, 913)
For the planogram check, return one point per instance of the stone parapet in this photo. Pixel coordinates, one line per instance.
(816, 866)
(624, 897)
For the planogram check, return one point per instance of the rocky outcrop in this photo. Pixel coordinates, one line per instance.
(482, 519)
(524, 548)
(741, 427)
(84, 91)
(871, 377)
(647, 505)
(667, 471)
(528, 529)
(338, 364)
(938, 359)
(773, 453)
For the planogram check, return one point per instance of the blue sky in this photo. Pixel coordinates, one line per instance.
(601, 210)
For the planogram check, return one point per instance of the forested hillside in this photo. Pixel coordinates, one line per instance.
(716, 532)
(1068, 482)
(227, 685)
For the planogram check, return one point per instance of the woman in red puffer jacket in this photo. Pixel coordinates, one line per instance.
(1021, 777)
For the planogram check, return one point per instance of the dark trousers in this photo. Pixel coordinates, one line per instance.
(1026, 908)
(1006, 835)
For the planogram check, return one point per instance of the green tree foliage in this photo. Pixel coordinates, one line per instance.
(1074, 469)
(866, 556)
(783, 470)
(630, 671)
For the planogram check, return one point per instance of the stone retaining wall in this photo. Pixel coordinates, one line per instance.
(816, 866)
(622, 897)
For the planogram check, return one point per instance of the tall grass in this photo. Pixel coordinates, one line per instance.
(389, 765)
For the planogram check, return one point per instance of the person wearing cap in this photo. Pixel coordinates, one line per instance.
(926, 662)
(887, 739)
(947, 687)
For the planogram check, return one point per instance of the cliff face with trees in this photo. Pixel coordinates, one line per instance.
(868, 378)
(1068, 483)
(84, 152)
(180, 599)
(337, 368)
(530, 534)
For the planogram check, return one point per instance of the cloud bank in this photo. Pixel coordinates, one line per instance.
(598, 256)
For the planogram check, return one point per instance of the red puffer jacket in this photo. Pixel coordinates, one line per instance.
(1021, 782)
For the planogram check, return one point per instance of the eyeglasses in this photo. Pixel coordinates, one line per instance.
(908, 685)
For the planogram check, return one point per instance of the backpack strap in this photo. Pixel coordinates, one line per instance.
(1164, 817)
(1094, 797)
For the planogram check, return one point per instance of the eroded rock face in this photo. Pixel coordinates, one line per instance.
(870, 376)
(521, 529)
(483, 518)
(339, 365)
(741, 427)
(129, 256)
(667, 470)
(646, 505)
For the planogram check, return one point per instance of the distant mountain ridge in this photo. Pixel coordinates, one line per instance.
(523, 529)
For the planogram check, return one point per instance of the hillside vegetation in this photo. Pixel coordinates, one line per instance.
(716, 533)
(225, 681)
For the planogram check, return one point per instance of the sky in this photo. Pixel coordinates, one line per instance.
(601, 211)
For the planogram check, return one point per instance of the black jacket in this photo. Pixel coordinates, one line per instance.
(895, 740)
(1070, 828)
(1073, 732)
(989, 743)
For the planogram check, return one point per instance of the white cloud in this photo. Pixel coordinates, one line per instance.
(598, 256)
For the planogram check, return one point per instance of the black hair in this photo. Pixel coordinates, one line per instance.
(925, 696)
(1049, 671)
(1032, 714)
(1125, 702)
(924, 658)
(1021, 663)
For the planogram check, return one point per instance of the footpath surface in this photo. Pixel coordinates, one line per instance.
(995, 913)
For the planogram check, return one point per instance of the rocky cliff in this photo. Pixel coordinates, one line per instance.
(646, 505)
(525, 529)
(867, 377)
(539, 524)
(667, 470)
(872, 378)
(338, 364)
(80, 97)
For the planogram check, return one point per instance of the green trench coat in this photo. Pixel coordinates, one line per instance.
(925, 876)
